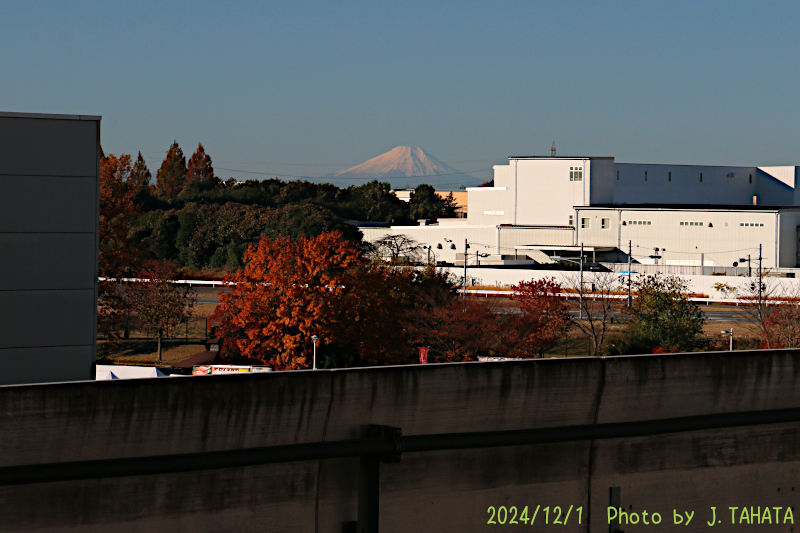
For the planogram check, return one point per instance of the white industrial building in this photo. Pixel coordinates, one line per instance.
(668, 214)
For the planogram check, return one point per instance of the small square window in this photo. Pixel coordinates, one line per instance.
(571, 221)
(605, 223)
(586, 223)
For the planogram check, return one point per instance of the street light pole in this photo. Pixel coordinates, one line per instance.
(729, 332)
(314, 340)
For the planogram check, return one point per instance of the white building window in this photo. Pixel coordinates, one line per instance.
(751, 224)
(691, 223)
(638, 222)
(605, 223)
(586, 223)
(575, 173)
(571, 220)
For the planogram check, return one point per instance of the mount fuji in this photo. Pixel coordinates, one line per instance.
(404, 166)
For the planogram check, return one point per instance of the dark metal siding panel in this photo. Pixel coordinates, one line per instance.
(47, 204)
(61, 363)
(45, 147)
(47, 261)
(46, 318)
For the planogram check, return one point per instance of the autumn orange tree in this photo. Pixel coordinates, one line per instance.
(780, 327)
(199, 168)
(458, 329)
(118, 211)
(122, 185)
(544, 316)
(290, 290)
(287, 291)
(171, 177)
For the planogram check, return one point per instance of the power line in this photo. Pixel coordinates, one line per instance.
(369, 178)
(695, 253)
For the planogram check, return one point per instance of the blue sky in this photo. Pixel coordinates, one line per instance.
(305, 88)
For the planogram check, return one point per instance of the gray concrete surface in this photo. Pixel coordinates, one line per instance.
(427, 491)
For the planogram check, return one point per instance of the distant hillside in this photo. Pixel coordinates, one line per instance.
(404, 166)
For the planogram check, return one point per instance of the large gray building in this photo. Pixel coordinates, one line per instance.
(49, 177)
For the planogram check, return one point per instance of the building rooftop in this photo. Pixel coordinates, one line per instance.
(692, 207)
(558, 157)
(9, 114)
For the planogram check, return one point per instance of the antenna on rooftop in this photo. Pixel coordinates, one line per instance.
(553, 150)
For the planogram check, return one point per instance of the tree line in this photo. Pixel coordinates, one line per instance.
(299, 270)
(190, 216)
(188, 220)
(368, 311)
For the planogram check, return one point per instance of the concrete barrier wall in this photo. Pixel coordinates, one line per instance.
(427, 491)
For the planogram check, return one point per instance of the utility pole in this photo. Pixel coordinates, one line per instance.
(630, 251)
(464, 294)
(759, 278)
(580, 303)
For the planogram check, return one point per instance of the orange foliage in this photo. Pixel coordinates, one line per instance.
(287, 292)
(120, 184)
(458, 329)
(544, 315)
(780, 327)
(117, 211)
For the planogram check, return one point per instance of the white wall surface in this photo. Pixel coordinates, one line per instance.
(721, 243)
(685, 187)
(490, 206)
(601, 184)
(703, 285)
(545, 195)
(788, 238)
(483, 239)
(776, 186)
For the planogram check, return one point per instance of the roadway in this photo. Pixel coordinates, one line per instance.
(713, 313)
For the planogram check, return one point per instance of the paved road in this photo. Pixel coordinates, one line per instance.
(713, 313)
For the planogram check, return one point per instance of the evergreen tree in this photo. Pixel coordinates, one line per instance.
(426, 204)
(171, 177)
(663, 319)
(140, 175)
(199, 169)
